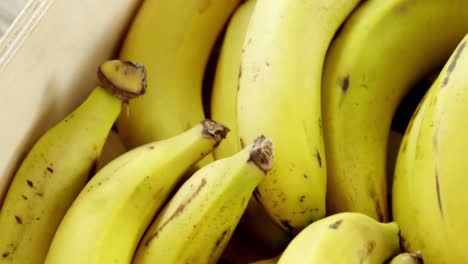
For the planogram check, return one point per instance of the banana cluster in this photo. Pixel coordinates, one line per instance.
(258, 131)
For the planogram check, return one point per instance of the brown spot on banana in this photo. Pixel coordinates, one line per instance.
(370, 247)
(18, 219)
(178, 211)
(452, 64)
(241, 142)
(345, 84)
(30, 183)
(318, 157)
(301, 198)
(218, 242)
(336, 225)
(379, 211)
(439, 198)
(50, 169)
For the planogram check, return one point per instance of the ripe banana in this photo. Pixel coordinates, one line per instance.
(109, 216)
(255, 220)
(279, 96)
(197, 223)
(59, 165)
(382, 50)
(408, 258)
(344, 238)
(226, 80)
(430, 177)
(173, 39)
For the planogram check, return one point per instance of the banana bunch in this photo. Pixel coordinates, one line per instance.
(288, 142)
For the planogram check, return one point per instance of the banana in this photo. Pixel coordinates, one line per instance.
(430, 176)
(408, 258)
(272, 260)
(173, 39)
(344, 238)
(226, 80)
(255, 221)
(382, 50)
(60, 163)
(197, 223)
(109, 216)
(279, 96)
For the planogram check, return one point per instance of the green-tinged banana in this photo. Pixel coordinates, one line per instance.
(224, 109)
(197, 223)
(429, 191)
(382, 50)
(59, 165)
(344, 238)
(408, 258)
(273, 260)
(279, 96)
(173, 39)
(108, 218)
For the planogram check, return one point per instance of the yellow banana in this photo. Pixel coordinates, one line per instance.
(279, 96)
(109, 216)
(350, 238)
(382, 50)
(255, 221)
(197, 223)
(226, 80)
(407, 258)
(59, 165)
(173, 39)
(430, 176)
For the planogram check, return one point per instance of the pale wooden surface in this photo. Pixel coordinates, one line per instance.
(9, 9)
(48, 62)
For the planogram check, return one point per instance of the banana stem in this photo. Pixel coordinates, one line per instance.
(123, 79)
(214, 130)
(261, 153)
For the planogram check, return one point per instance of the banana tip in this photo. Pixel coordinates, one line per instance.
(261, 153)
(214, 130)
(123, 79)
